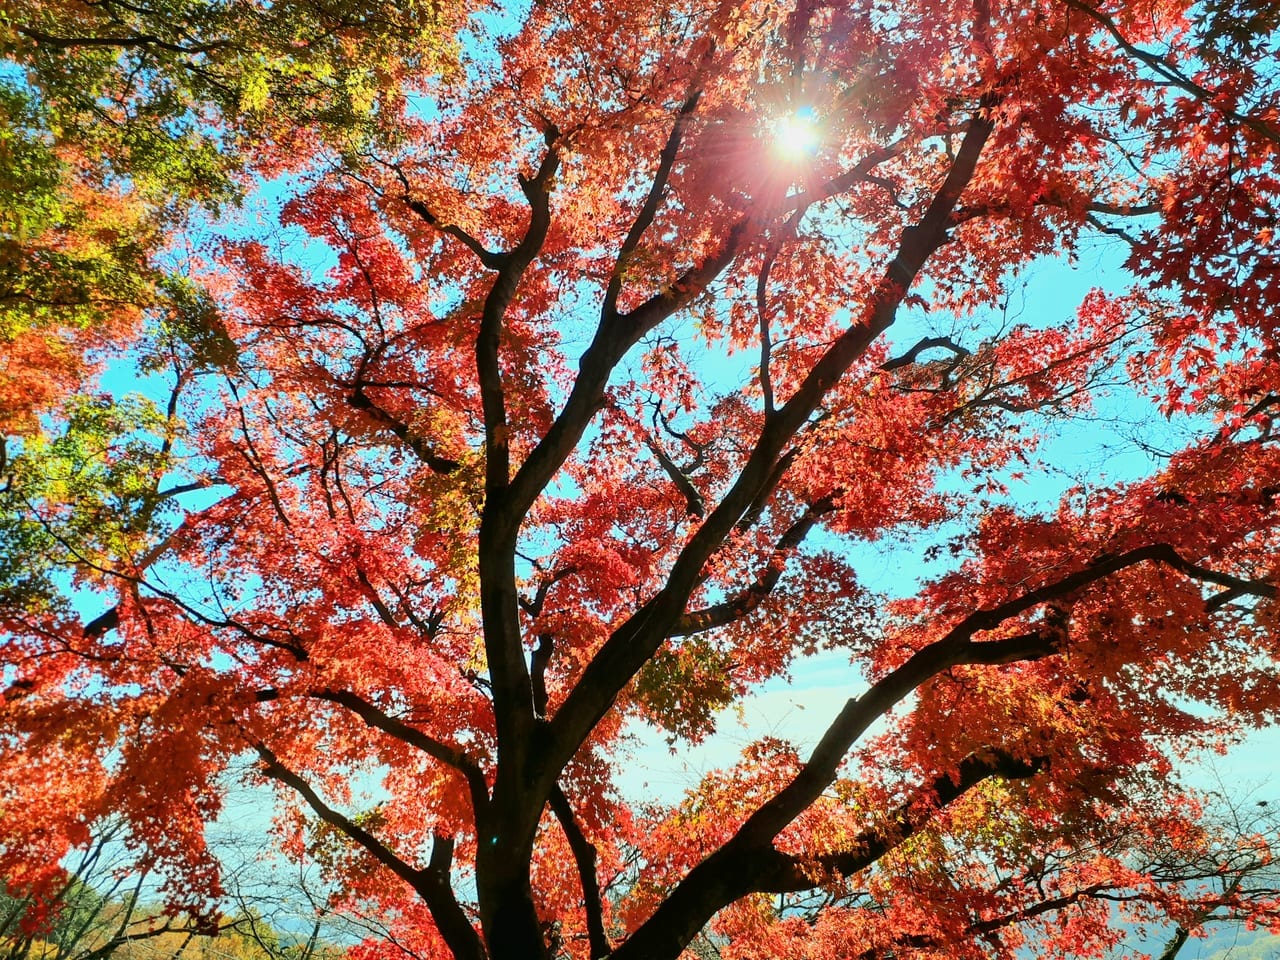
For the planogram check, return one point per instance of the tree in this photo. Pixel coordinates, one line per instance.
(101, 909)
(118, 118)
(95, 910)
(576, 398)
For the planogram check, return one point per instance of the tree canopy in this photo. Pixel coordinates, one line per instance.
(426, 396)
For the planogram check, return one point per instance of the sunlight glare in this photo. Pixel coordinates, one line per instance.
(798, 134)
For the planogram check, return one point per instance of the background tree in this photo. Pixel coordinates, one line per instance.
(103, 908)
(96, 909)
(119, 122)
(580, 398)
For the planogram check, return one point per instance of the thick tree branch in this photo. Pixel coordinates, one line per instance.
(538, 672)
(273, 768)
(507, 912)
(858, 173)
(490, 259)
(975, 211)
(383, 611)
(537, 191)
(436, 749)
(534, 607)
(694, 504)
(431, 883)
(120, 42)
(925, 343)
(742, 866)
(178, 490)
(451, 920)
(1124, 210)
(702, 892)
(1173, 946)
(786, 873)
(715, 882)
(637, 639)
(649, 209)
(751, 516)
(429, 626)
(102, 623)
(613, 338)
(1104, 567)
(499, 602)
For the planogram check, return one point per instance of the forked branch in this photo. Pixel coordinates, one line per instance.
(431, 883)
(714, 883)
(638, 638)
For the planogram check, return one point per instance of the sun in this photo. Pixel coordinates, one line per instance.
(797, 135)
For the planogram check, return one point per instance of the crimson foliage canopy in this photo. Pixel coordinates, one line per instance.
(573, 367)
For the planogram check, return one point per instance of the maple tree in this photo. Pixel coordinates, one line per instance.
(584, 362)
(126, 117)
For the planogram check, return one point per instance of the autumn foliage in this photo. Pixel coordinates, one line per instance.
(419, 399)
